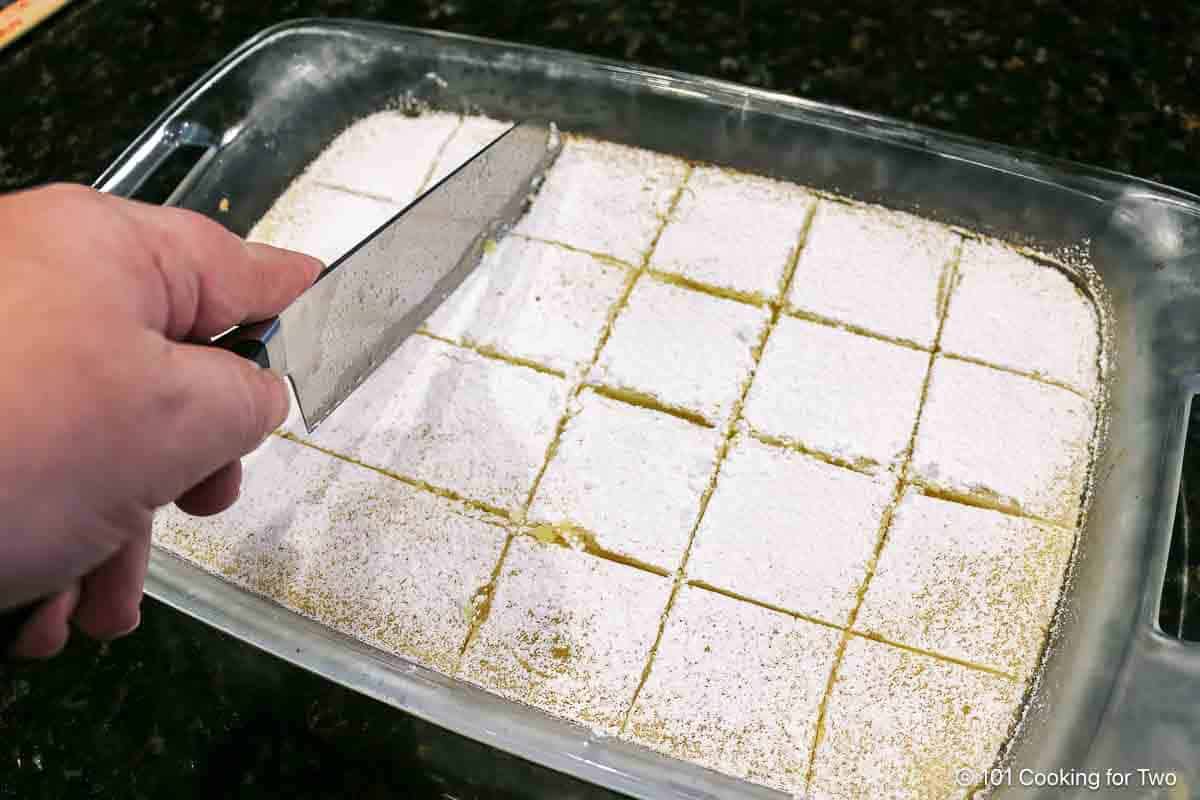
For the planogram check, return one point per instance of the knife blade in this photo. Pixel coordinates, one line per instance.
(365, 304)
(375, 296)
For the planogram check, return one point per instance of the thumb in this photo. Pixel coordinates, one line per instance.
(224, 407)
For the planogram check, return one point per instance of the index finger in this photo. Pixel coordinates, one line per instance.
(210, 278)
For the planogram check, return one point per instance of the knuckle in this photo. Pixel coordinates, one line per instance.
(72, 193)
(83, 205)
(186, 235)
(192, 221)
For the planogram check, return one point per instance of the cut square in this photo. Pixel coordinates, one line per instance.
(686, 349)
(790, 531)
(473, 135)
(966, 582)
(734, 231)
(899, 724)
(535, 301)
(1012, 311)
(736, 688)
(604, 197)
(567, 633)
(453, 418)
(321, 222)
(631, 477)
(388, 154)
(355, 550)
(875, 269)
(838, 393)
(1004, 439)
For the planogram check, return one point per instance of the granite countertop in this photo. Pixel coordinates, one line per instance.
(180, 708)
(1107, 83)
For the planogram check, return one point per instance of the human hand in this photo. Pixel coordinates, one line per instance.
(109, 407)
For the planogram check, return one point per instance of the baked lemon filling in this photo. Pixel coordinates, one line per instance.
(769, 481)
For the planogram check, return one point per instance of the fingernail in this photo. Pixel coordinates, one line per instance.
(137, 621)
(315, 268)
(282, 410)
(136, 624)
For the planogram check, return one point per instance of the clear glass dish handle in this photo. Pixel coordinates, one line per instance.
(1148, 744)
(145, 156)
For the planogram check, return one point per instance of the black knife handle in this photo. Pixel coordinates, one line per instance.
(257, 342)
(250, 349)
(12, 620)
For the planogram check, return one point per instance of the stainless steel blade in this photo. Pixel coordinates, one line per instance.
(367, 302)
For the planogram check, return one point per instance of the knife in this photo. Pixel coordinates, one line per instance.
(366, 303)
(371, 299)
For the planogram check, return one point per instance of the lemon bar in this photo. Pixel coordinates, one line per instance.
(366, 157)
(734, 231)
(879, 270)
(629, 476)
(471, 136)
(686, 349)
(697, 703)
(358, 551)
(999, 291)
(900, 724)
(605, 198)
(998, 438)
(788, 530)
(321, 222)
(535, 301)
(451, 418)
(966, 582)
(567, 633)
(837, 393)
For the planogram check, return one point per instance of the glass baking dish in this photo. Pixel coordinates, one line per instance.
(1114, 694)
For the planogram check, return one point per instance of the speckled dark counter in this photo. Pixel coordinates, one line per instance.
(181, 710)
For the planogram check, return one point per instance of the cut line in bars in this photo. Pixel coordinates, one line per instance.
(726, 442)
(885, 523)
(488, 591)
